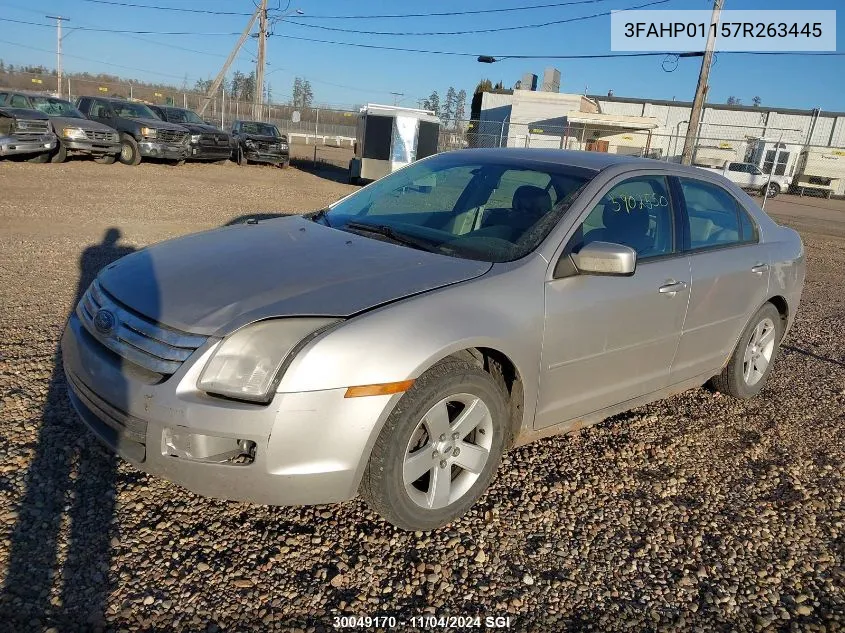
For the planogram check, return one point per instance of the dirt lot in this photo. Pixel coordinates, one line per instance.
(697, 513)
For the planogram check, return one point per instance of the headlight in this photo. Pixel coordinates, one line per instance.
(250, 143)
(283, 146)
(248, 364)
(148, 132)
(195, 138)
(73, 132)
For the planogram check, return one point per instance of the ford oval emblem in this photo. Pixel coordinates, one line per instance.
(104, 321)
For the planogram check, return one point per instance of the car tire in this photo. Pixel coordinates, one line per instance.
(749, 367)
(39, 158)
(466, 397)
(284, 164)
(60, 154)
(774, 190)
(130, 153)
(178, 163)
(241, 159)
(108, 159)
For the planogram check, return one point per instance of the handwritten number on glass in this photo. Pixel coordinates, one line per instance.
(633, 203)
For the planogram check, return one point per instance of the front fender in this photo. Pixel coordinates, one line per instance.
(502, 310)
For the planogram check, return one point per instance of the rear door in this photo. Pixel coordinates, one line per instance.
(610, 339)
(730, 276)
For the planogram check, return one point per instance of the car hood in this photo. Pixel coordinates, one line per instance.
(159, 124)
(265, 139)
(85, 124)
(24, 113)
(202, 128)
(216, 281)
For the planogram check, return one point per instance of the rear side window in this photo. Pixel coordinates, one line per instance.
(715, 217)
(19, 101)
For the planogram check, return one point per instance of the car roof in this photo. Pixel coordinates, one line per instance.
(250, 121)
(595, 161)
(30, 93)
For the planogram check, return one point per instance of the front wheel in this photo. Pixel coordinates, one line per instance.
(39, 158)
(773, 190)
(59, 154)
(749, 367)
(439, 449)
(130, 153)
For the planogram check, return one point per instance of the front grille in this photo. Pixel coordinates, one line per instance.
(142, 341)
(171, 136)
(129, 426)
(268, 147)
(28, 128)
(103, 137)
(222, 139)
(214, 140)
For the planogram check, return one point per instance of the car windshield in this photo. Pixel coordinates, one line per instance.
(56, 107)
(133, 110)
(259, 129)
(178, 115)
(461, 205)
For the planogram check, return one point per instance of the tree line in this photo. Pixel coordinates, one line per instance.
(453, 108)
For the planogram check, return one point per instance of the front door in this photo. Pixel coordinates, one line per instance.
(610, 339)
(730, 278)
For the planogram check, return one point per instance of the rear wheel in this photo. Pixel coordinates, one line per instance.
(60, 154)
(130, 153)
(747, 371)
(39, 158)
(439, 449)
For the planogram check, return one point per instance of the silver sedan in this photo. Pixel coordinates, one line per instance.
(396, 343)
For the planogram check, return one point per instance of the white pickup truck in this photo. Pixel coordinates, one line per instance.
(749, 176)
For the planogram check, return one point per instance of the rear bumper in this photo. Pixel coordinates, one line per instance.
(91, 147)
(12, 146)
(171, 151)
(309, 447)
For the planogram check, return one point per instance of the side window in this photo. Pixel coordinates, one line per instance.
(83, 105)
(637, 213)
(748, 230)
(19, 101)
(714, 215)
(99, 109)
(737, 167)
(3, 97)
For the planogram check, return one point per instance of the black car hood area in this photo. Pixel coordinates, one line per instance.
(264, 139)
(24, 113)
(216, 281)
(202, 128)
(159, 124)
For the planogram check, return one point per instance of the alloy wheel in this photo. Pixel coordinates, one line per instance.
(447, 451)
(758, 352)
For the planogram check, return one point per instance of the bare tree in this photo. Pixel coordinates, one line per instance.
(734, 100)
(756, 101)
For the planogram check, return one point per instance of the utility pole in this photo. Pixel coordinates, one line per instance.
(215, 85)
(58, 20)
(396, 96)
(701, 89)
(258, 98)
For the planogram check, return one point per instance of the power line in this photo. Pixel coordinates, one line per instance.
(473, 31)
(448, 13)
(100, 30)
(160, 8)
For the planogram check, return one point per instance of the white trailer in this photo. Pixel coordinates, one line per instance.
(821, 169)
(390, 137)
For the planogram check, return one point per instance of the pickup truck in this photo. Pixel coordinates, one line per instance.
(142, 133)
(208, 142)
(749, 176)
(25, 132)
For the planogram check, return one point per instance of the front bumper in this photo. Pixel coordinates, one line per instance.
(12, 146)
(258, 156)
(309, 447)
(210, 152)
(95, 148)
(170, 151)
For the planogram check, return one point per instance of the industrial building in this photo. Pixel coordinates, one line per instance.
(772, 138)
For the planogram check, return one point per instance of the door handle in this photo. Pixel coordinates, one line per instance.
(759, 269)
(672, 288)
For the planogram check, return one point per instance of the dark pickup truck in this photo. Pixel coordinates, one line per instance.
(258, 142)
(26, 132)
(76, 135)
(142, 133)
(208, 142)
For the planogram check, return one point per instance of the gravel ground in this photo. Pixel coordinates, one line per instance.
(698, 513)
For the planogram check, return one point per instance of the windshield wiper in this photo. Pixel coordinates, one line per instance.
(322, 214)
(391, 234)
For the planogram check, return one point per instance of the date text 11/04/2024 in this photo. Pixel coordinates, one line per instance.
(421, 622)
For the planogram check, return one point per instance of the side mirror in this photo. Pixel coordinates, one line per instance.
(605, 258)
